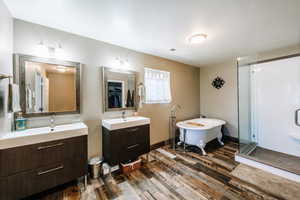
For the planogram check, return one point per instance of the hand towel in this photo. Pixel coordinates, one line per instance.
(141, 94)
(14, 98)
(29, 98)
(128, 99)
(132, 100)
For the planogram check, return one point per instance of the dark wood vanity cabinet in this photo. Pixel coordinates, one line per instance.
(125, 144)
(31, 169)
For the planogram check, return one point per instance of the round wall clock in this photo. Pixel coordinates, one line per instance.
(218, 82)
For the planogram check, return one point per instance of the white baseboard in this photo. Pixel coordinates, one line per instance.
(268, 168)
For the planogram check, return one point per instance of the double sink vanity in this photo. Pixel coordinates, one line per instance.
(34, 160)
(38, 159)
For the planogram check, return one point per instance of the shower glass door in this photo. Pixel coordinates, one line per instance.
(247, 139)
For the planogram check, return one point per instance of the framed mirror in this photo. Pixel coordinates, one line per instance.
(47, 86)
(119, 89)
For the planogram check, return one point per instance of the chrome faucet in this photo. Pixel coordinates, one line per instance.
(123, 115)
(52, 122)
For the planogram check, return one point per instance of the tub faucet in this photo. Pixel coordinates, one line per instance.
(52, 122)
(174, 110)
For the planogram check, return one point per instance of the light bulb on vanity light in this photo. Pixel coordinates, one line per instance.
(59, 51)
(126, 64)
(41, 49)
(120, 64)
(117, 63)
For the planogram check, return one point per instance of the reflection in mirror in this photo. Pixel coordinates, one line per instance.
(47, 85)
(49, 88)
(115, 94)
(119, 89)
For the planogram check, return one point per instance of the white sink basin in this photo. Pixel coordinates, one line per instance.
(43, 134)
(119, 123)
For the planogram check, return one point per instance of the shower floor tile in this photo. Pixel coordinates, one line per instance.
(277, 159)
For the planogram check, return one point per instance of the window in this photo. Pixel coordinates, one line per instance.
(157, 85)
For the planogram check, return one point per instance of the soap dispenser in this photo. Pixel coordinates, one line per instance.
(20, 122)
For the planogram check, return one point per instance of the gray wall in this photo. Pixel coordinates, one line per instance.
(93, 54)
(6, 47)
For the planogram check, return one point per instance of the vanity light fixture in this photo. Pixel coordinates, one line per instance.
(41, 49)
(197, 38)
(118, 63)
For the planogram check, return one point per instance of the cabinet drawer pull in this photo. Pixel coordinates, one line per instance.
(133, 129)
(50, 146)
(50, 170)
(132, 146)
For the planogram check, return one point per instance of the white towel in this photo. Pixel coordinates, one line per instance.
(29, 98)
(141, 94)
(14, 98)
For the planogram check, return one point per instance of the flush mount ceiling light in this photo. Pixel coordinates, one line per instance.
(197, 38)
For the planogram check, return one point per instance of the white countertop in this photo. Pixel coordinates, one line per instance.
(120, 123)
(44, 134)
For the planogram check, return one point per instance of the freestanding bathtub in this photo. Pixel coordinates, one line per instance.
(200, 131)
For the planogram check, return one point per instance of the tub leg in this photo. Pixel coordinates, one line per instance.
(202, 146)
(219, 139)
(179, 143)
(203, 151)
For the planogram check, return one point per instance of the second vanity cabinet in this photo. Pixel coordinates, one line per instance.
(125, 144)
(31, 169)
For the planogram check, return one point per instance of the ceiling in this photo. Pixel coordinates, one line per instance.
(234, 27)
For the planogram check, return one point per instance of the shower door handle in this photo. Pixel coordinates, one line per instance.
(296, 117)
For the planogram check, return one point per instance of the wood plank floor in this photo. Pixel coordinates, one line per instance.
(189, 176)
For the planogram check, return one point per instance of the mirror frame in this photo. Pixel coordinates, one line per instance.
(104, 88)
(19, 77)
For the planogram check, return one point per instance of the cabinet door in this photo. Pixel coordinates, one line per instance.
(136, 142)
(18, 186)
(35, 181)
(125, 144)
(17, 159)
(49, 152)
(75, 148)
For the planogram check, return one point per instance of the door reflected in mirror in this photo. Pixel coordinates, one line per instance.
(119, 89)
(115, 94)
(49, 88)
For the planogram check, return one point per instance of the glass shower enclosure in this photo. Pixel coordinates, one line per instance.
(269, 111)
